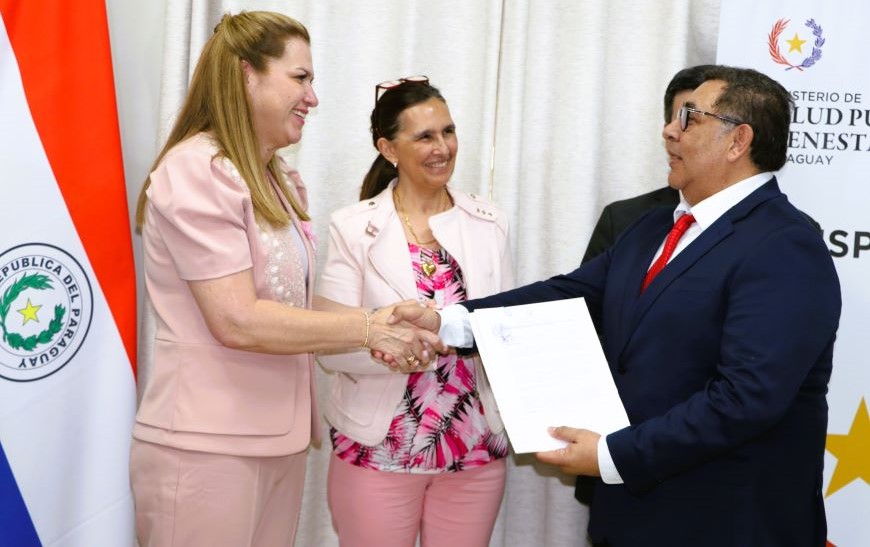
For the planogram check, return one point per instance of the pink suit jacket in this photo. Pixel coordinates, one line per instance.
(368, 265)
(201, 395)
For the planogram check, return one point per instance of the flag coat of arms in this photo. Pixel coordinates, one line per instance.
(67, 282)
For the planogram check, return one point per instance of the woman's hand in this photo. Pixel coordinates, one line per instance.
(400, 345)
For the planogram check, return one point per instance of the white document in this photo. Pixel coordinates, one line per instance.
(546, 368)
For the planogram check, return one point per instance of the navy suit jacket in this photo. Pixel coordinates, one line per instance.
(722, 364)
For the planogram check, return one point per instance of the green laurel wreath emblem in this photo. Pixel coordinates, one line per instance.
(15, 340)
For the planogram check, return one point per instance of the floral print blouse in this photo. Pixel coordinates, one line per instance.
(439, 426)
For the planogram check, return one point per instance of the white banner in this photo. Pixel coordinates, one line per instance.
(817, 50)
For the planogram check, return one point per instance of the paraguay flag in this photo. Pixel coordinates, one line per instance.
(67, 285)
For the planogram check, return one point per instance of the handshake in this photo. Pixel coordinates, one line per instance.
(404, 336)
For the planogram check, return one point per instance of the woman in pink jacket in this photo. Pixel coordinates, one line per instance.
(220, 440)
(418, 451)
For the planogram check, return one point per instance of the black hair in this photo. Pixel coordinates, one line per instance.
(761, 102)
(685, 80)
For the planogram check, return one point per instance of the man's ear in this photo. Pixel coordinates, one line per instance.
(741, 141)
(385, 147)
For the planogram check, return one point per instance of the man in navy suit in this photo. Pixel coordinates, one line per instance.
(722, 361)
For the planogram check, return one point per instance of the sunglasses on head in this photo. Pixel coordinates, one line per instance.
(391, 84)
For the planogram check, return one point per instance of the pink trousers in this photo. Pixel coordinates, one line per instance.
(390, 509)
(191, 499)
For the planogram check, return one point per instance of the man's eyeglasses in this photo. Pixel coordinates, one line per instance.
(390, 84)
(684, 112)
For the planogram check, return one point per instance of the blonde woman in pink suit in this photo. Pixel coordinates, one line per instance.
(419, 451)
(220, 440)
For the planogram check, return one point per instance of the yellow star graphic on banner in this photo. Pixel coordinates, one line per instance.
(852, 452)
(795, 44)
(29, 312)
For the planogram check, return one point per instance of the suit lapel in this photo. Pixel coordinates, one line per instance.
(448, 227)
(635, 309)
(394, 267)
(638, 258)
(310, 257)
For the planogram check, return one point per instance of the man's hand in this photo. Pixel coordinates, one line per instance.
(414, 316)
(424, 317)
(400, 345)
(580, 457)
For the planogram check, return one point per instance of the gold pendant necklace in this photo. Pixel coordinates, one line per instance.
(426, 265)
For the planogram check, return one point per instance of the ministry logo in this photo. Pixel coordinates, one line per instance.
(46, 307)
(796, 45)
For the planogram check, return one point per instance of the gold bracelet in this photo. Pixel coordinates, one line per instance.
(368, 327)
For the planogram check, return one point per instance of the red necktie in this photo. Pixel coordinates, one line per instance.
(680, 226)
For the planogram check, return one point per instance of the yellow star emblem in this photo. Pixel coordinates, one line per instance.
(795, 44)
(29, 312)
(852, 452)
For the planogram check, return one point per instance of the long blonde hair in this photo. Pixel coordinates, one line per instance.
(217, 102)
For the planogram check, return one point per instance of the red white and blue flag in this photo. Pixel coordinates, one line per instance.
(67, 282)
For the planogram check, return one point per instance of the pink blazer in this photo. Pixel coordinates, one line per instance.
(200, 394)
(368, 265)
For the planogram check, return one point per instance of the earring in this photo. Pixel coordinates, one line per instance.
(396, 165)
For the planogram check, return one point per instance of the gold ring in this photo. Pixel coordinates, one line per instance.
(410, 359)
